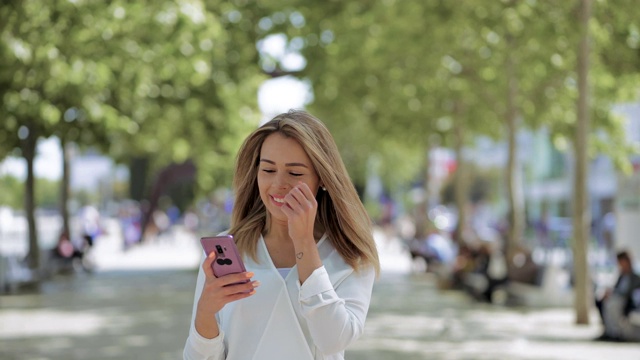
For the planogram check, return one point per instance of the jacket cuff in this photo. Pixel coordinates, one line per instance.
(203, 346)
(317, 283)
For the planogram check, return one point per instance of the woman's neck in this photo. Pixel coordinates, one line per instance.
(278, 232)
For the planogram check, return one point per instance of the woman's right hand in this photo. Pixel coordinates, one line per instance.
(216, 293)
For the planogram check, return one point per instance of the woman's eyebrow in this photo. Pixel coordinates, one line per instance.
(287, 164)
(296, 164)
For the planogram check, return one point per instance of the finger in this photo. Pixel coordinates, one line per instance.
(299, 195)
(305, 202)
(231, 290)
(206, 264)
(287, 210)
(309, 195)
(293, 194)
(302, 206)
(306, 190)
(239, 296)
(292, 202)
(235, 278)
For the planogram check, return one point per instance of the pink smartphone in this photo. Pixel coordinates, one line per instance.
(228, 260)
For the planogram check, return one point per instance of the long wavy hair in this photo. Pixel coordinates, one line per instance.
(340, 213)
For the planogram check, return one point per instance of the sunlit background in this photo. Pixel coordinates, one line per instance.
(495, 145)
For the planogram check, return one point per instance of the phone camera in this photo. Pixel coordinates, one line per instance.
(219, 249)
(224, 261)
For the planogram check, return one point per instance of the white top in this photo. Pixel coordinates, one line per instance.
(286, 320)
(284, 272)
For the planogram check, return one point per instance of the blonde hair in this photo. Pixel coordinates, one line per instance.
(340, 212)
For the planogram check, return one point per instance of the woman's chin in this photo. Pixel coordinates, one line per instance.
(278, 217)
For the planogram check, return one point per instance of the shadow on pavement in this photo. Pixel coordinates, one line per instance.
(116, 314)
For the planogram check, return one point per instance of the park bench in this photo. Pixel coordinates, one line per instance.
(552, 289)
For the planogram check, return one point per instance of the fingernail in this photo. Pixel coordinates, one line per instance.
(249, 274)
(255, 283)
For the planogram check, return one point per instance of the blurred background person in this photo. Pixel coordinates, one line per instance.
(617, 303)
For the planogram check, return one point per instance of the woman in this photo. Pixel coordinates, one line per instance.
(307, 244)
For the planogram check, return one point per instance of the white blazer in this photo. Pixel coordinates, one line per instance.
(285, 320)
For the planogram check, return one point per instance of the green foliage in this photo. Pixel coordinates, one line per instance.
(47, 193)
(171, 81)
(391, 78)
(12, 194)
(159, 79)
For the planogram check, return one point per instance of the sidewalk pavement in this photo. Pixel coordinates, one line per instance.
(410, 319)
(131, 308)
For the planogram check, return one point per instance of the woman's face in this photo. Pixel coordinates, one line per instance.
(283, 164)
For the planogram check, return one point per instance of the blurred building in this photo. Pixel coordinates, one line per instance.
(93, 180)
(90, 170)
(615, 197)
(548, 185)
(627, 199)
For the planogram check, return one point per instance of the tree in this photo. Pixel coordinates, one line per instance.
(26, 113)
(581, 215)
(607, 30)
(415, 81)
(47, 77)
(394, 84)
(124, 77)
(523, 78)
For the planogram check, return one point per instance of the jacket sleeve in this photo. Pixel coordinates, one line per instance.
(198, 347)
(336, 317)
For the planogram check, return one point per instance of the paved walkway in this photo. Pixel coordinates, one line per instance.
(132, 309)
(411, 319)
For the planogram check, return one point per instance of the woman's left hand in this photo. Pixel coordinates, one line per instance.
(301, 207)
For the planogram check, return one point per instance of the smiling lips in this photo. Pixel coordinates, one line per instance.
(278, 200)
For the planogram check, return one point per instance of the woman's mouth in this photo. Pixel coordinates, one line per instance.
(279, 201)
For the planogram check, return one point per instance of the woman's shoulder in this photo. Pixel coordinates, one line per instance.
(338, 269)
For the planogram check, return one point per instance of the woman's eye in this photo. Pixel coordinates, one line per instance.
(268, 171)
(296, 174)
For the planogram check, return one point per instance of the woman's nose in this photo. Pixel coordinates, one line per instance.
(281, 181)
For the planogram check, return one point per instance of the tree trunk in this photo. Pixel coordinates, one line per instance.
(515, 191)
(138, 168)
(64, 187)
(460, 185)
(581, 213)
(28, 147)
(421, 213)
